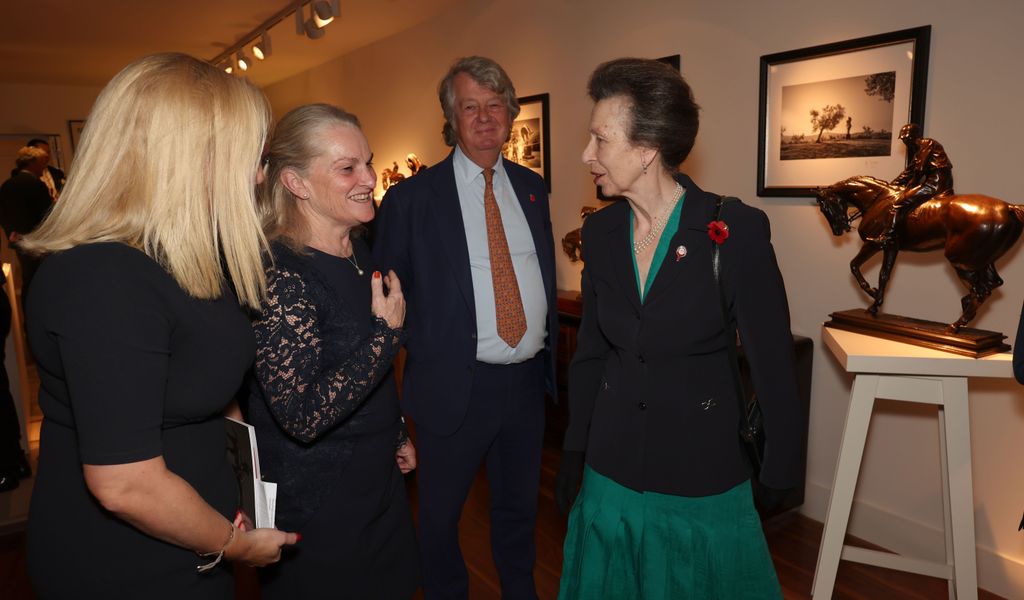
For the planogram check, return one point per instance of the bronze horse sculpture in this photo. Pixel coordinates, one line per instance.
(973, 231)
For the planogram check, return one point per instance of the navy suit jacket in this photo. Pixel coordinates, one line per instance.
(24, 203)
(1018, 350)
(421, 236)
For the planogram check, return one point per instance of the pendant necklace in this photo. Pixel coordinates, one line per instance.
(352, 261)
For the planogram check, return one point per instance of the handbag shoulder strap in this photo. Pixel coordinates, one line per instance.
(727, 321)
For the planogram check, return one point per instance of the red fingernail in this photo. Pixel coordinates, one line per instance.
(238, 513)
(376, 274)
(298, 538)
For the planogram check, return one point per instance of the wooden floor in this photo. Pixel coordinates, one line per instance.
(793, 540)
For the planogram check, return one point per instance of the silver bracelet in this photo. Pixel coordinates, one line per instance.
(218, 555)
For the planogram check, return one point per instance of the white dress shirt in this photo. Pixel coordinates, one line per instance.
(490, 348)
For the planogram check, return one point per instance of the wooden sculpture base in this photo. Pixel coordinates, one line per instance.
(918, 332)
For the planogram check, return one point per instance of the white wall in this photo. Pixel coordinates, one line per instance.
(973, 108)
(27, 108)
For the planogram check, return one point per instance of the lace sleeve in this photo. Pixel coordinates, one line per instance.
(308, 398)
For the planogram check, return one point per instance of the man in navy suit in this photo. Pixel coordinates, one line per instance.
(480, 346)
(52, 176)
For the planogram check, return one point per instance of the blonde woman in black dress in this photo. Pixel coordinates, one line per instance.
(135, 322)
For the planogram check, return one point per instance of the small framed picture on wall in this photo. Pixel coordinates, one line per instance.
(529, 144)
(75, 127)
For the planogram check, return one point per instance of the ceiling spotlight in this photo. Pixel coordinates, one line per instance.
(312, 30)
(242, 61)
(262, 49)
(323, 13)
(227, 67)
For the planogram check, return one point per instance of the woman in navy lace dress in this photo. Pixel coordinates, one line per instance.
(324, 400)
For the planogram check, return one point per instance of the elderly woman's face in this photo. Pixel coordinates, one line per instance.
(340, 181)
(614, 161)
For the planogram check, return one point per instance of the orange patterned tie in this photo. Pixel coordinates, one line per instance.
(508, 305)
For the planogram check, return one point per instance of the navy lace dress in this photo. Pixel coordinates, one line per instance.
(325, 406)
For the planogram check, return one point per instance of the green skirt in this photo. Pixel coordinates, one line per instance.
(625, 544)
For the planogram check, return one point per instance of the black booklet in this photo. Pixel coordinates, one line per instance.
(257, 498)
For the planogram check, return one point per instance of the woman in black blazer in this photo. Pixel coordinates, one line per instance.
(665, 509)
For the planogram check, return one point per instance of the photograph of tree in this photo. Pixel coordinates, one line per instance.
(838, 118)
(829, 112)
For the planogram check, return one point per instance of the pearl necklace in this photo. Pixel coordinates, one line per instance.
(658, 224)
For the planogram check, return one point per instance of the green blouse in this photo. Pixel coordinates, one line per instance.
(660, 252)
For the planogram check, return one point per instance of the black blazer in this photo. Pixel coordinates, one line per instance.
(24, 203)
(420, 234)
(651, 395)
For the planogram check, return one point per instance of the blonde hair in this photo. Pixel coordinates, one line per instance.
(28, 155)
(293, 146)
(167, 164)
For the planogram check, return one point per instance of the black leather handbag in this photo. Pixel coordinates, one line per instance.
(751, 427)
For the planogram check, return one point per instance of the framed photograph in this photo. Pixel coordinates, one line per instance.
(830, 112)
(75, 127)
(529, 143)
(673, 61)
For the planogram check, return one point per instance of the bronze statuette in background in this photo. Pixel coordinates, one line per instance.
(919, 212)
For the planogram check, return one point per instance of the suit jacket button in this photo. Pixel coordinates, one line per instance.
(642, 405)
(640, 357)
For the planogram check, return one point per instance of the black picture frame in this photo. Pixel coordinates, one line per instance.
(529, 142)
(75, 127)
(891, 67)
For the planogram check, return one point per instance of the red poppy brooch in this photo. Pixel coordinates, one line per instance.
(718, 231)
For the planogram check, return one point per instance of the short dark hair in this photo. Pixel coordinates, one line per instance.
(663, 113)
(485, 72)
(36, 142)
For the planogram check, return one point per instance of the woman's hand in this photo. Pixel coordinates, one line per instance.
(259, 547)
(406, 457)
(160, 503)
(391, 307)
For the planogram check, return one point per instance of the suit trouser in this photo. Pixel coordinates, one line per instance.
(504, 428)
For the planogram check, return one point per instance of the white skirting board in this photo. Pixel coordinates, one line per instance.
(996, 573)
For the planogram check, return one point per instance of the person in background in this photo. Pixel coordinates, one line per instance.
(470, 237)
(324, 401)
(13, 463)
(137, 326)
(24, 203)
(1018, 367)
(666, 509)
(52, 176)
